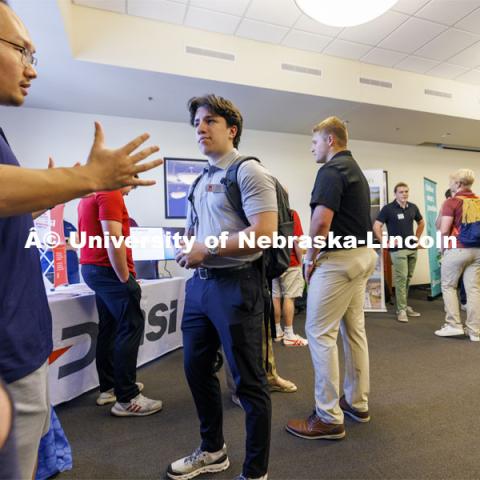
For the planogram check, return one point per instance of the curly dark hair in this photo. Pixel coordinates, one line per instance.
(220, 106)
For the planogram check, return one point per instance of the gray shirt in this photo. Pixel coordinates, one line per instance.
(216, 214)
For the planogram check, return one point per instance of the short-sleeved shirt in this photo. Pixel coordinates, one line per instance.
(297, 232)
(342, 187)
(453, 207)
(399, 220)
(217, 215)
(25, 319)
(91, 211)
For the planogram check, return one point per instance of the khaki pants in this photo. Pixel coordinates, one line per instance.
(336, 295)
(455, 262)
(404, 262)
(32, 417)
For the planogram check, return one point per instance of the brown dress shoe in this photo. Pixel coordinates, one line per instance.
(353, 413)
(313, 428)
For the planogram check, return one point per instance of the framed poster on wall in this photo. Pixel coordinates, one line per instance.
(179, 174)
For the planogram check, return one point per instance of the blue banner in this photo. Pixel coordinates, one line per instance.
(430, 190)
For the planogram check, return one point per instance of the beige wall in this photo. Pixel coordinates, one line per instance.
(35, 134)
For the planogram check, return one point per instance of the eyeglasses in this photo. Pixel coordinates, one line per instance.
(28, 58)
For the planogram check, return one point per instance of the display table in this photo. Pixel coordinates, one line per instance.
(75, 325)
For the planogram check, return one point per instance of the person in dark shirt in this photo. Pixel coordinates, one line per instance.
(399, 216)
(25, 320)
(337, 279)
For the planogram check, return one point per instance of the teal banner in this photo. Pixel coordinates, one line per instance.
(430, 190)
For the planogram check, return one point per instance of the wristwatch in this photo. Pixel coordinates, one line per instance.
(213, 251)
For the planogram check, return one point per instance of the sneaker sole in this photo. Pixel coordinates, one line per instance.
(354, 417)
(450, 334)
(101, 403)
(124, 413)
(215, 468)
(334, 436)
(414, 315)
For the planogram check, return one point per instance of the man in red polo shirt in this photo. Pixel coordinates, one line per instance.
(110, 273)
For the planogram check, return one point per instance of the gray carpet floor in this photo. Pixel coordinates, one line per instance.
(424, 403)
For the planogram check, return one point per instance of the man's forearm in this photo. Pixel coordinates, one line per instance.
(25, 190)
(118, 259)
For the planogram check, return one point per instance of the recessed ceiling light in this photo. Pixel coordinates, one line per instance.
(344, 13)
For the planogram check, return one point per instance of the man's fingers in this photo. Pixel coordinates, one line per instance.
(146, 152)
(137, 182)
(99, 136)
(134, 144)
(144, 167)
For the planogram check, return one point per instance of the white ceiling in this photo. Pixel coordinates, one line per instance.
(434, 37)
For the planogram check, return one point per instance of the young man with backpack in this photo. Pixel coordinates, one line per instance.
(224, 302)
(461, 218)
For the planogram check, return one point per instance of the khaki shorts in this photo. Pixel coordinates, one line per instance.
(32, 416)
(290, 284)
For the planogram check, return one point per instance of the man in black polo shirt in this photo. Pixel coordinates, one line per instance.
(399, 216)
(337, 279)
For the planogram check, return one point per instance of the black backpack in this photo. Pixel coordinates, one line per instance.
(276, 260)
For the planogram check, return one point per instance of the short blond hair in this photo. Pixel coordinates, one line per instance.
(333, 126)
(464, 176)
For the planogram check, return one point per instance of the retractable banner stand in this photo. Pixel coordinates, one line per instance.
(60, 250)
(431, 212)
(375, 291)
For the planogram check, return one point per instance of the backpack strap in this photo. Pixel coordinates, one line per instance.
(232, 189)
(191, 196)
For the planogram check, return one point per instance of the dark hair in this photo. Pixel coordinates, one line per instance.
(398, 185)
(4, 2)
(448, 193)
(220, 106)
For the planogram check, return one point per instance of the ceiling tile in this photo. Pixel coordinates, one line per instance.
(119, 6)
(470, 23)
(278, 12)
(447, 70)
(470, 57)
(163, 10)
(307, 24)
(412, 35)
(344, 49)
(264, 32)
(211, 21)
(447, 12)
(416, 64)
(306, 41)
(447, 44)
(385, 58)
(473, 77)
(233, 7)
(409, 6)
(373, 32)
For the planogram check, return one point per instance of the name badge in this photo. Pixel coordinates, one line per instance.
(400, 216)
(215, 188)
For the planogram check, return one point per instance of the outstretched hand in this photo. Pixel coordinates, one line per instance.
(113, 169)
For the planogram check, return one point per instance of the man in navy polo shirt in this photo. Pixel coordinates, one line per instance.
(399, 216)
(25, 320)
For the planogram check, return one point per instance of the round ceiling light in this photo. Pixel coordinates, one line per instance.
(344, 13)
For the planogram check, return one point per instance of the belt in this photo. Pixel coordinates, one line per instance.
(209, 273)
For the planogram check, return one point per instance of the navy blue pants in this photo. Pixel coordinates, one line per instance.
(228, 311)
(120, 330)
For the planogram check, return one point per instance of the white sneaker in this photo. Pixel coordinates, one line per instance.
(197, 463)
(109, 396)
(279, 336)
(412, 313)
(449, 331)
(402, 316)
(295, 341)
(474, 338)
(463, 307)
(139, 406)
